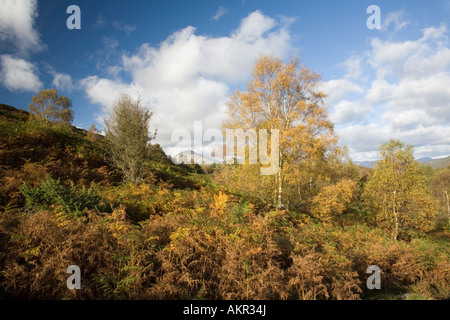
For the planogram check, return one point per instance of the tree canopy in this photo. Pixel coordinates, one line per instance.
(128, 136)
(49, 106)
(397, 193)
(287, 97)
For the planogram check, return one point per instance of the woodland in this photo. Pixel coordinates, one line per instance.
(140, 226)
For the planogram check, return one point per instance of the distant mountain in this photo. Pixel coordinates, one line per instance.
(425, 160)
(434, 163)
(439, 163)
(189, 156)
(365, 164)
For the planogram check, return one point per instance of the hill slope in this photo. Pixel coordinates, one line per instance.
(177, 235)
(439, 163)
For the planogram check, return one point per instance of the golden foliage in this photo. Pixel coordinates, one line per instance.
(333, 200)
(285, 97)
(177, 235)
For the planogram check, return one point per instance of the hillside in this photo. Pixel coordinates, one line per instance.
(439, 163)
(182, 234)
(434, 163)
(30, 150)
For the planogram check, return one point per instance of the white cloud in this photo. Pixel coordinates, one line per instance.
(254, 26)
(349, 111)
(62, 81)
(337, 89)
(395, 19)
(220, 13)
(431, 94)
(104, 91)
(123, 27)
(425, 56)
(386, 57)
(19, 37)
(434, 33)
(379, 92)
(353, 66)
(187, 77)
(17, 25)
(365, 139)
(102, 22)
(407, 99)
(19, 75)
(408, 119)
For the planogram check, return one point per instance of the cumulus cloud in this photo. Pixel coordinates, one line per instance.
(62, 81)
(408, 119)
(364, 139)
(412, 59)
(18, 74)
(408, 98)
(19, 38)
(349, 111)
(353, 67)
(17, 26)
(188, 77)
(104, 91)
(337, 89)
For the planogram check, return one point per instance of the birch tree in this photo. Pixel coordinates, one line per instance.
(397, 193)
(128, 136)
(441, 188)
(287, 97)
(51, 107)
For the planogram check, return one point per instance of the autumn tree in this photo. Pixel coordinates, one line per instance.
(397, 192)
(92, 134)
(333, 200)
(287, 97)
(321, 172)
(128, 136)
(441, 188)
(49, 106)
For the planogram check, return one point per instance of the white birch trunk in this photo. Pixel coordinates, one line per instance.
(395, 217)
(448, 206)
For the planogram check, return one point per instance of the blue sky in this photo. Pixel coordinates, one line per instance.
(184, 58)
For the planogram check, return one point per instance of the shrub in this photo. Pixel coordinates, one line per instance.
(333, 200)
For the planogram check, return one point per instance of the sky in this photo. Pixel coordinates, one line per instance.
(185, 59)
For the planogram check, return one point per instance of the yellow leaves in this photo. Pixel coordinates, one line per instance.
(32, 253)
(141, 190)
(397, 190)
(62, 216)
(287, 97)
(180, 234)
(220, 203)
(47, 105)
(333, 200)
(118, 225)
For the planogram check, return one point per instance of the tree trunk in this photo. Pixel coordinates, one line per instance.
(299, 192)
(275, 191)
(448, 206)
(280, 189)
(395, 217)
(279, 186)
